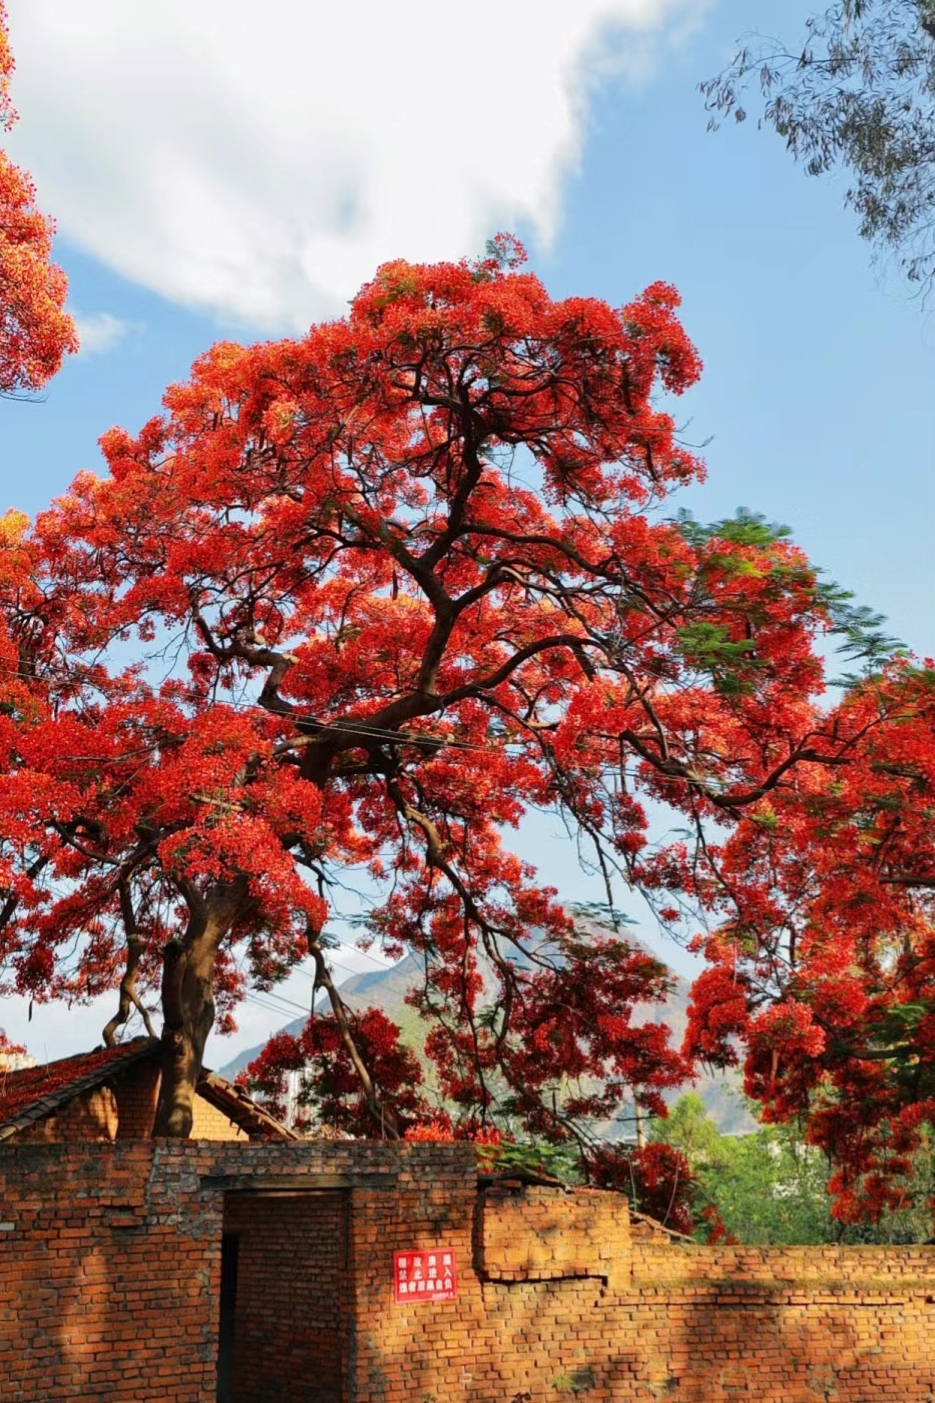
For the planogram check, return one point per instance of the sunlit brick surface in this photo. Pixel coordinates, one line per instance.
(110, 1275)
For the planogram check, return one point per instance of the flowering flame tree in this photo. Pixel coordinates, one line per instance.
(35, 330)
(413, 574)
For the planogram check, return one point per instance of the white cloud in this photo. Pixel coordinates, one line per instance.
(260, 161)
(100, 331)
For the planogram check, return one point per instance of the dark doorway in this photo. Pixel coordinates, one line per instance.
(287, 1317)
(229, 1246)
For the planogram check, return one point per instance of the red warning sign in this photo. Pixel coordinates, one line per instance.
(426, 1275)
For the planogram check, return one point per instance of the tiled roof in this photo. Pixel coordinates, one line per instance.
(239, 1107)
(32, 1093)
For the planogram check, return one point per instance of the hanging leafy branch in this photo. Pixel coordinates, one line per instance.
(858, 92)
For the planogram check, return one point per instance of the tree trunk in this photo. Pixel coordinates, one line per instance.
(188, 1002)
(129, 997)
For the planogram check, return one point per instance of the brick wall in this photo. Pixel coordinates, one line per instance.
(536, 1234)
(93, 1116)
(110, 1277)
(292, 1280)
(208, 1123)
(137, 1092)
(102, 1295)
(124, 1109)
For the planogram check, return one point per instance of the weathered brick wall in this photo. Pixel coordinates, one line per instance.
(93, 1116)
(124, 1109)
(110, 1257)
(418, 1352)
(137, 1092)
(292, 1279)
(826, 1323)
(538, 1234)
(110, 1266)
(104, 1288)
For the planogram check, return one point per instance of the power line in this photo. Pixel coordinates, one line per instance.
(415, 738)
(297, 969)
(285, 1004)
(351, 950)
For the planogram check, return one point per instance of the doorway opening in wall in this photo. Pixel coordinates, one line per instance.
(284, 1297)
(230, 1244)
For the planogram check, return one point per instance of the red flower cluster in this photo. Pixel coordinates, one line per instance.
(327, 1088)
(35, 330)
(656, 1177)
(822, 975)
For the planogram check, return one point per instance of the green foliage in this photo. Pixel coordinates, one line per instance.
(730, 663)
(727, 652)
(862, 633)
(533, 1157)
(767, 1187)
(745, 528)
(770, 1189)
(709, 647)
(857, 92)
(600, 913)
(690, 1129)
(578, 1381)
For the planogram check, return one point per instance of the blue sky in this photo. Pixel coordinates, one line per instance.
(817, 392)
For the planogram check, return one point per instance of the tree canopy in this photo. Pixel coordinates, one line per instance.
(361, 600)
(822, 965)
(35, 330)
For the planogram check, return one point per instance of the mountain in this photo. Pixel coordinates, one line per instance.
(382, 988)
(386, 989)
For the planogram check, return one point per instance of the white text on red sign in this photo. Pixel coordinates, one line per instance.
(428, 1274)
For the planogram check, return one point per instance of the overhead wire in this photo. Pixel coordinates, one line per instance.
(273, 1002)
(283, 1006)
(416, 738)
(348, 969)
